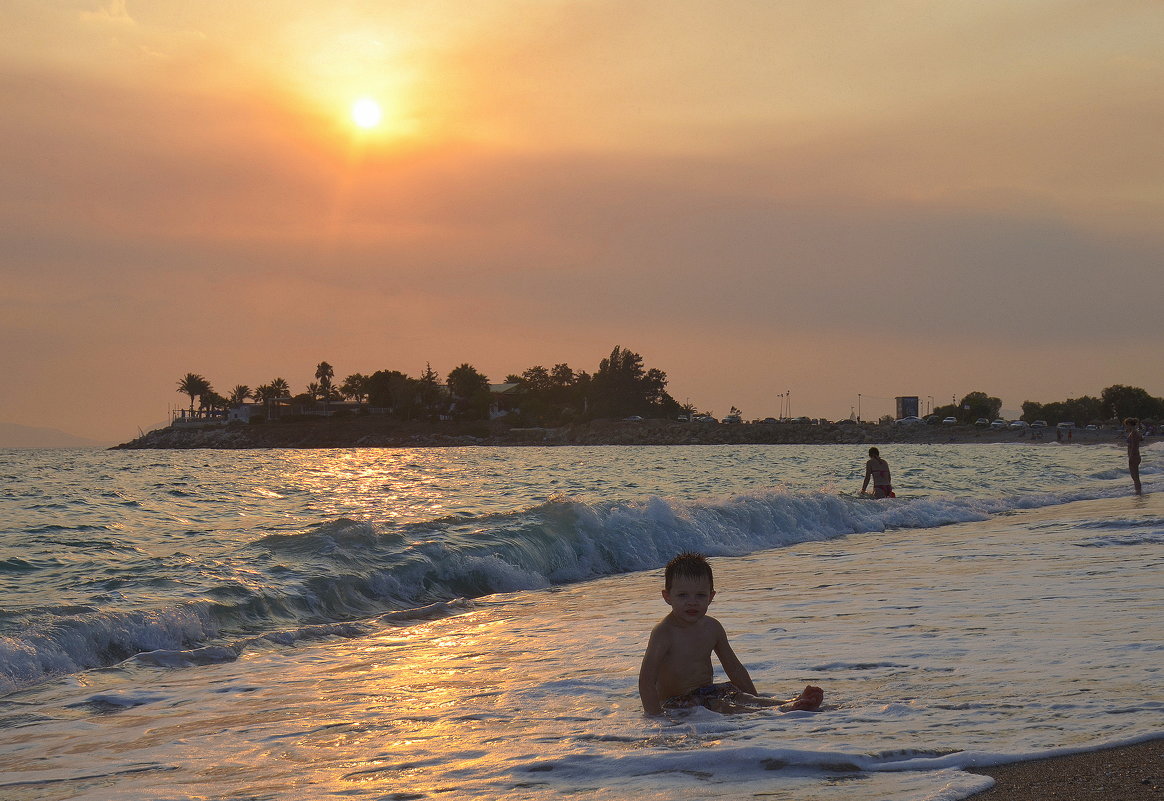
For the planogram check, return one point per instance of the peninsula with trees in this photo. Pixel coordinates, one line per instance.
(621, 403)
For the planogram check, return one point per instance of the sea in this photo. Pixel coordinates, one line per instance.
(456, 623)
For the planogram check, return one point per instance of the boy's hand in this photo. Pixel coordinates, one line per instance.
(807, 701)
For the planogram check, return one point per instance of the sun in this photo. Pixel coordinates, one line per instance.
(366, 113)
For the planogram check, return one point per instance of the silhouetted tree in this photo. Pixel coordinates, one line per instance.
(949, 410)
(394, 391)
(212, 401)
(324, 374)
(470, 391)
(432, 395)
(621, 387)
(1119, 401)
(1075, 410)
(978, 404)
(193, 385)
(355, 387)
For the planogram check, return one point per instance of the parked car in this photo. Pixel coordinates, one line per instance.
(1019, 424)
(1065, 425)
(981, 421)
(732, 419)
(1039, 424)
(682, 418)
(769, 421)
(909, 421)
(1092, 427)
(998, 424)
(634, 418)
(846, 422)
(949, 421)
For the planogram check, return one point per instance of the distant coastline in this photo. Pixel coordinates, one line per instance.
(13, 435)
(371, 432)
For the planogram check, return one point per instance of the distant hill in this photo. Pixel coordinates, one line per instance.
(18, 436)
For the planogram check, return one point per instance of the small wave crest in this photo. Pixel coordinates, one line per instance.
(343, 571)
(67, 643)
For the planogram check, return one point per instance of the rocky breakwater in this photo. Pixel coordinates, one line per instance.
(359, 432)
(373, 432)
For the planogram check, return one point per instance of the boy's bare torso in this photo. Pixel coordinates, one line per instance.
(686, 663)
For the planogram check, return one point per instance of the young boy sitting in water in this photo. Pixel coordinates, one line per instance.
(676, 672)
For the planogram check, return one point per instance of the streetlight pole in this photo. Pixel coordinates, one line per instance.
(858, 407)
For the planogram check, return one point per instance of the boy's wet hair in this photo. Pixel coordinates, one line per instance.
(1131, 421)
(688, 565)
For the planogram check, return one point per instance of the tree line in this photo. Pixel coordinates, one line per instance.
(621, 386)
(1114, 403)
(1117, 402)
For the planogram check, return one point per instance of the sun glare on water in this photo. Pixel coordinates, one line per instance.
(366, 113)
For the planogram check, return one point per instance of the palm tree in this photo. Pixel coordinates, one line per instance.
(324, 374)
(239, 394)
(211, 401)
(193, 385)
(267, 393)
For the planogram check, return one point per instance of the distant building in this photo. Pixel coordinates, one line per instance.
(503, 399)
(908, 406)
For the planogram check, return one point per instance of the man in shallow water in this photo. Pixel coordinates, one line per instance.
(676, 671)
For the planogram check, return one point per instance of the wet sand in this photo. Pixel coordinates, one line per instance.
(1127, 773)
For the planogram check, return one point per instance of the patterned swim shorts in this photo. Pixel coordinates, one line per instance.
(710, 696)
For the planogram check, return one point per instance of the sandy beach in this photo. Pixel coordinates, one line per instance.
(1127, 773)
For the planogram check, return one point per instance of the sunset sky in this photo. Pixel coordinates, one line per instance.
(824, 197)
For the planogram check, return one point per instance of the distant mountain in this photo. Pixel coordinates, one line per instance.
(18, 436)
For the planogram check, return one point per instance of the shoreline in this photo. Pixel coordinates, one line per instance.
(1119, 773)
(377, 432)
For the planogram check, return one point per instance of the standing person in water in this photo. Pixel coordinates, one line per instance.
(1132, 429)
(877, 469)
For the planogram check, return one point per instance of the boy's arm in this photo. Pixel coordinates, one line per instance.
(732, 666)
(649, 671)
(868, 475)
